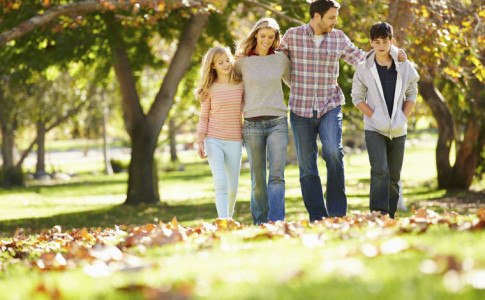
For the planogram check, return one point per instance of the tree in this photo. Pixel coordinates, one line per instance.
(126, 29)
(450, 53)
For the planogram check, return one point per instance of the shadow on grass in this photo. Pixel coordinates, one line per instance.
(124, 214)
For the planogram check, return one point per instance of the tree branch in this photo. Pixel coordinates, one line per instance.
(81, 8)
(59, 121)
(276, 12)
(177, 69)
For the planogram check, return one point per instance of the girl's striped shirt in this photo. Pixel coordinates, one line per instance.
(221, 114)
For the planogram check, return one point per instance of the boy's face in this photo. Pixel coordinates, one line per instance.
(381, 45)
(328, 21)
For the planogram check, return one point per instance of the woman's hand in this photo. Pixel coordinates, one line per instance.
(200, 150)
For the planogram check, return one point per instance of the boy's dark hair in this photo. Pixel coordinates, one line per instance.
(322, 6)
(381, 30)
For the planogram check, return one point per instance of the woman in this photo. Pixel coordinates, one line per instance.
(265, 129)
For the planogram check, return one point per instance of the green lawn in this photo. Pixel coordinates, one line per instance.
(353, 258)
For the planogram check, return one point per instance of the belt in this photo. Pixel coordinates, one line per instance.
(261, 118)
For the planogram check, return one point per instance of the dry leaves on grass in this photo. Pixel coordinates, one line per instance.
(100, 252)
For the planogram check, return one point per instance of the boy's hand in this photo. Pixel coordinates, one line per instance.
(401, 55)
(200, 150)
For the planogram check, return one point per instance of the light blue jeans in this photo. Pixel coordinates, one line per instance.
(225, 162)
(267, 140)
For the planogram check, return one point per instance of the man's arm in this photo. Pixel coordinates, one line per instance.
(284, 45)
(351, 53)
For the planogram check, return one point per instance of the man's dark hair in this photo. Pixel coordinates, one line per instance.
(381, 30)
(322, 6)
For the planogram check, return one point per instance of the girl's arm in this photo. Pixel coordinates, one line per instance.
(203, 125)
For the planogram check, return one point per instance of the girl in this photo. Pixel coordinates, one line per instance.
(265, 130)
(220, 92)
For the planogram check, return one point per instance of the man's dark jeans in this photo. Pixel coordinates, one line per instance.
(329, 129)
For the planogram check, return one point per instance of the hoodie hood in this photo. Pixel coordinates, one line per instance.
(370, 57)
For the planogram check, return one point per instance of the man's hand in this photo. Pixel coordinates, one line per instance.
(200, 150)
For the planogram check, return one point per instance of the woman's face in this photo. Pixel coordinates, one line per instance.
(265, 38)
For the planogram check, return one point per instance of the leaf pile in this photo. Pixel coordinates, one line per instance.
(101, 252)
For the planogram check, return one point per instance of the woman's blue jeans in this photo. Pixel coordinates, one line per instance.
(267, 141)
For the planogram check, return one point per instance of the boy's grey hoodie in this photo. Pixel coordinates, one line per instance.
(367, 87)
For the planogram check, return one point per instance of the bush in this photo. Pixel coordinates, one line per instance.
(11, 177)
(118, 166)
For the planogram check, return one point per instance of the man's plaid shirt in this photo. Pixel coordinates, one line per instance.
(314, 71)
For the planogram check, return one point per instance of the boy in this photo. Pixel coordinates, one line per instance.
(385, 91)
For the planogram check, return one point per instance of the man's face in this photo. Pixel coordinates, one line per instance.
(328, 21)
(381, 45)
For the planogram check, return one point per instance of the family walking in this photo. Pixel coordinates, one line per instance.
(242, 103)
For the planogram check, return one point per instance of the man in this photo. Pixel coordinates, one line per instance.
(316, 104)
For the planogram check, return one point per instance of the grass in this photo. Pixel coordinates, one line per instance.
(228, 265)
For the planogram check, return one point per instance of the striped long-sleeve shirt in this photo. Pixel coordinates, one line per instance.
(314, 70)
(221, 114)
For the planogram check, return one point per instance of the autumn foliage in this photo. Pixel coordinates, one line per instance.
(102, 252)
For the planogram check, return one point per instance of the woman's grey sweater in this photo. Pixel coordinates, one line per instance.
(263, 91)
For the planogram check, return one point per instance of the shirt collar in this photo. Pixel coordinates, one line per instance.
(309, 29)
(253, 52)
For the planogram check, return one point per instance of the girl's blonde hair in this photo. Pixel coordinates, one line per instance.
(245, 46)
(208, 74)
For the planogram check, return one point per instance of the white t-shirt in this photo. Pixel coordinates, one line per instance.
(318, 39)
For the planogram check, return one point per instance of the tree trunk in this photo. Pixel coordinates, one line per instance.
(41, 132)
(8, 143)
(446, 131)
(143, 177)
(108, 170)
(172, 134)
(467, 157)
(10, 175)
(400, 16)
(144, 130)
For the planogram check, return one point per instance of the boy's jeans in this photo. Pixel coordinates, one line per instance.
(225, 162)
(329, 129)
(267, 140)
(386, 158)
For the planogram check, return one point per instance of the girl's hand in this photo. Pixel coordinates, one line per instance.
(200, 150)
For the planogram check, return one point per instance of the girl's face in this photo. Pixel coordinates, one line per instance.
(222, 65)
(265, 38)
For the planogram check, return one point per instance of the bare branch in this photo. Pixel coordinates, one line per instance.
(276, 12)
(59, 121)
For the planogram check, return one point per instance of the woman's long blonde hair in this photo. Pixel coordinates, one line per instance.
(208, 74)
(245, 46)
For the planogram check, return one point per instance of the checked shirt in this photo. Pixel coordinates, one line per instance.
(314, 70)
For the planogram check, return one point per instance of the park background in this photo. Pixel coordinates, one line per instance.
(92, 87)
